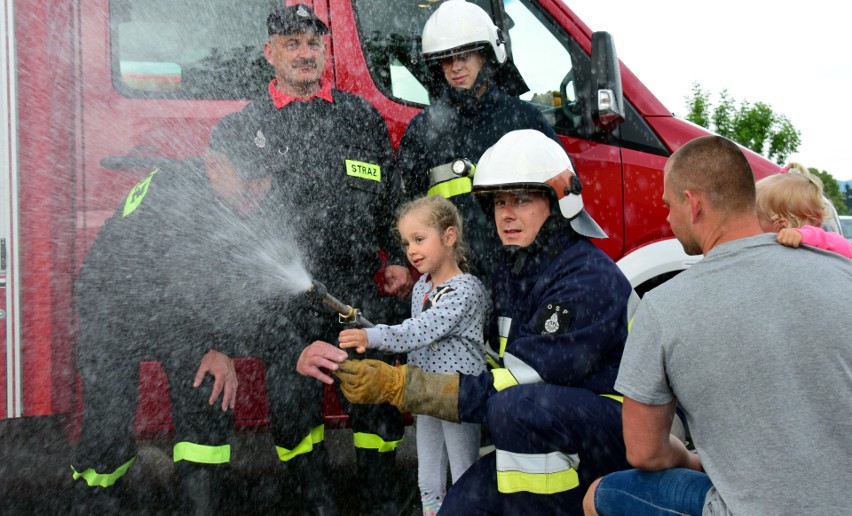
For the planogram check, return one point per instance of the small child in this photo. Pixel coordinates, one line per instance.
(443, 335)
(792, 204)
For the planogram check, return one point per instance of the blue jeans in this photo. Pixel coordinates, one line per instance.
(646, 493)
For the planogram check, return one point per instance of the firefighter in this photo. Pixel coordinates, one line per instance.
(333, 176)
(475, 102)
(159, 283)
(561, 307)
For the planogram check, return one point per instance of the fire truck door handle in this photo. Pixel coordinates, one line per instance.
(2, 255)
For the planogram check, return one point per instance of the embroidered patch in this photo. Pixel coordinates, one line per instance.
(363, 170)
(554, 319)
(134, 199)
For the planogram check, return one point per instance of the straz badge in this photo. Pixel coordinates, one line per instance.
(363, 170)
(554, 319)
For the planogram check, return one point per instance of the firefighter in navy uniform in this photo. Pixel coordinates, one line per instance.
(333, 177)
(561, 307)
(476, 103)
(159, 284)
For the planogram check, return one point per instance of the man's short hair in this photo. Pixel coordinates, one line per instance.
(292, 19)
(716, 167)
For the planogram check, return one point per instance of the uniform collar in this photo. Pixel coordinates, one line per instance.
(282, 99)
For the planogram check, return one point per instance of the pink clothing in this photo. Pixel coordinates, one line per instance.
(828, 240)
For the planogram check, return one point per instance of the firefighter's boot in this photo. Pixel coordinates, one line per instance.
(377, 474)
(317, 490)
(88, 500)
(199, 486)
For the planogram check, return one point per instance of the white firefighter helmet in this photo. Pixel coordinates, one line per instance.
(458, 26)
(528, 160)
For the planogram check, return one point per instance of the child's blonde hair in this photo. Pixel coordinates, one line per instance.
(440, 214)
(795, 196)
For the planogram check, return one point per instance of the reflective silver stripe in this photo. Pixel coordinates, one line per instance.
(537, 463)
(503, 325)
(441, 173)
(522, 372)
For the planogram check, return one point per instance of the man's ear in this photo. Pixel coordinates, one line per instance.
(696, 204)
(267, 51)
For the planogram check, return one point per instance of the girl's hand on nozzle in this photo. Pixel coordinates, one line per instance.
(353, 339)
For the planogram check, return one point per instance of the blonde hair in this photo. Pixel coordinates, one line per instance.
(440, 214)
(795, 196)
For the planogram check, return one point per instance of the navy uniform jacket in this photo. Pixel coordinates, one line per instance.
(561, 307)
(461, 126)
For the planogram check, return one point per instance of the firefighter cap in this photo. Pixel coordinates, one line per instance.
(292, 19)
(241, 139)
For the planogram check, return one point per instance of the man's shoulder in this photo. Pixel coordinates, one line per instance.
(350, 100)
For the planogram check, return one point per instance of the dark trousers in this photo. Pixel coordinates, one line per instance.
(540, 419)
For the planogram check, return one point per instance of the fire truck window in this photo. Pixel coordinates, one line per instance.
(209, 49)
(544, 62)
(390, 39)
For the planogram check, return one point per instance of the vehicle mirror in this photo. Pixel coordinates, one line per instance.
(608, 109)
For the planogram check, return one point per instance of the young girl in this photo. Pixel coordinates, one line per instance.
(444, 334)
(792, 204)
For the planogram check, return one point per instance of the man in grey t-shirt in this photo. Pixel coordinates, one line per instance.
(753, 344)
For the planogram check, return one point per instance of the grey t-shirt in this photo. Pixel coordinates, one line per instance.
(755, 342)
(446, 334)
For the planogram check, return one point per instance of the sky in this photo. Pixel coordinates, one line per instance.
(793, 57)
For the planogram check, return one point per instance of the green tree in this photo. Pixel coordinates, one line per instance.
(831, 189)
(755, 126)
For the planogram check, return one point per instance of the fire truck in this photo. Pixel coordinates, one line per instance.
(96, 93)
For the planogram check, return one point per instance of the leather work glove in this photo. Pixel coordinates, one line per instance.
(371, 382)
(406, 387)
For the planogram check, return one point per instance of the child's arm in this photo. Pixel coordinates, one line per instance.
(817, 237)
(444, 318)
(353, 338)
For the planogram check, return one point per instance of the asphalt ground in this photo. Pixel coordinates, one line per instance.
(35, 474)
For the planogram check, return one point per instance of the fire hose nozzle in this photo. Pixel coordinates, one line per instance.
(347, 313)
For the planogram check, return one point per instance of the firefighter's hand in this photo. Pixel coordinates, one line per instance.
(398, 281)
(371, 382)
(353, 338)
(789, 237)
(221, 367)
(320, 355)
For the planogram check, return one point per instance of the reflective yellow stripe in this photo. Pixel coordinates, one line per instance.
(617, 398)
(492, 362)
(537, 483)
(134, 198)
(373, 442)
(316, 436)
(451, 188)
(504, 324)
(95, 479)
(201, 453)
(503, 379)
(539, 473)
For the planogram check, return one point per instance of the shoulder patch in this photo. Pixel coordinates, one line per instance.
(553, 319)
(134, 198)
(429, 301)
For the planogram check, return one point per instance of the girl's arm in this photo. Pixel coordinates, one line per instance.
(443, 318)
(817, 237)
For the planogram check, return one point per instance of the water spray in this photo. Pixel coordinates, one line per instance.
(347, 313)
